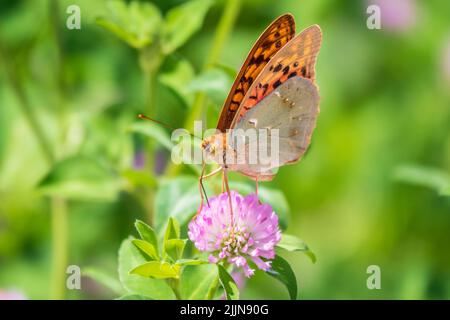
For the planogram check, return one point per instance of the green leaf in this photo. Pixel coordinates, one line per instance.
(139, 178)
(157, 270)
(445, 191)
(154, 131)
(185, 190)
(147, 233)
(228, 284)
(176, 73)
(190, 262)
(282, 271)
(424, 176)
(197, 281)
(182, 22)
(214, 82)
(274, 197)
(172, 230)
(80, 178)
(230, 71)
(173, 246)
(147, 248)
(292, 243)
(129, 296)
(129, 258)
(135, 23)
(105, 279)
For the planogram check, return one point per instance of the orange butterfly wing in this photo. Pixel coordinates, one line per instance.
(296, 58)
(275, 37)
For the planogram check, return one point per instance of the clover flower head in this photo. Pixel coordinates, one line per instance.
(250, 235)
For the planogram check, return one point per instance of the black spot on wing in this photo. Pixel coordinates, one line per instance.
(260, 59)
(303, 71)
(276, 84)
(293, 74)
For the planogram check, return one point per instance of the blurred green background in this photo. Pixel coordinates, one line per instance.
(74, 175)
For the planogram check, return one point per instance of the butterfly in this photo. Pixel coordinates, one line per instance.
(274, 89)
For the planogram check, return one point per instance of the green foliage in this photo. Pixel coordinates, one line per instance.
(282, 271)
(157, 270)
(188, 278)
(198, 282)
(147, 248)
(185, 190)
(107, 280)
(214, 82)
(155, 132)
(424, 176)
(139, 178)
(165, 269)
(136, 23)
(292, 243)
(130, 258)
(80, 178)
(190, 262)
(82, 90)
(140, 24)
(132, 297)
(228, 284)
(147, 233)
(176, 73)
(173, 246)
(181, 22)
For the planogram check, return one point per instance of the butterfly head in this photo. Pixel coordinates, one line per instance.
(212, 147)
(209, 146)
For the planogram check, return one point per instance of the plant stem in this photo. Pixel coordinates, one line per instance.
(150, 60)
(60, 223)
(24, 104)
(221, 35)
(223, 30)
(57, 35)
(175, 285)
(58, 206)
(59, 247)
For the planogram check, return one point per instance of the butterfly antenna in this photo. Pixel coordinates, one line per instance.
(144, 117)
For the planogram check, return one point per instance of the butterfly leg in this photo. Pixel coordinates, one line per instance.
(201, 187)
(225, 177)
(223, 183)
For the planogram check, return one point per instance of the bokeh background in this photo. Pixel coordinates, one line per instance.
(372, 190)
